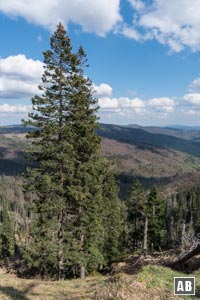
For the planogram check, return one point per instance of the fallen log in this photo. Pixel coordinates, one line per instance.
(180, 262)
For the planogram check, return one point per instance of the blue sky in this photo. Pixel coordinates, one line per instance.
(144, 56)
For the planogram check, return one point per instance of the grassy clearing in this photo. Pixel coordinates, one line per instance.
(162, 277)
(151, 283)
(13, 288)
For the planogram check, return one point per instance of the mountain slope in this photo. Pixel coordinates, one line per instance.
(187, 133)
(134, 152)
(146, 140)
(148, 161)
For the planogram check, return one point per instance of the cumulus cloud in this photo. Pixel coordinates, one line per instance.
(7, 108)
(191, 112)
(19, 76)
(192, 98)
(130, 33)
(103, 89)
(137, 4)
(99, 16)
(108, 103)
(173, 22)
(163, 105)
(195, 84)
(22, 67)
(121, 103)
(128, 106)
(19, 80)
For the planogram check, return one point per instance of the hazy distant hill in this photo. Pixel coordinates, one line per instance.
(12, 149)
(134, 151)
(153, 158)
(15, 129)
(146, 140)
(186, 133)
(149, 161)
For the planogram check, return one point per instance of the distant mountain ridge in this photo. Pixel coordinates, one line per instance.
(178, 127)
(145, 139)
(186, 133)
(137, 152)
(187, 141)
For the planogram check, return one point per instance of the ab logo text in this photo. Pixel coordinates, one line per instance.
(184, 285)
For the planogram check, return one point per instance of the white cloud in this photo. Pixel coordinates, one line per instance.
(16, 88)
(130, 33)
(99, 16)
(19, 76)
(129, 106)
(195, 84)
(174, 23)
(135, 104)
(137, 4)
(6, 108)
(163, 105)
(192, 98)
(103, 89)
(108, 103)
(191, 112)
(22, 67)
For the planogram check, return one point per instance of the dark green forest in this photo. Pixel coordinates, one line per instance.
(75, 196)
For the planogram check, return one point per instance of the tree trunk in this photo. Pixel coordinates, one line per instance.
(145, 246)
(190, 254)
(82, 272)
(82, 268)
(60, 249)
(183, 233)
(60, 263)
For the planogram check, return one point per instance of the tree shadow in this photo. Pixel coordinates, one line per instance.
(16, 294)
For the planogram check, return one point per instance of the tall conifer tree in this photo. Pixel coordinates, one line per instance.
(135, 215)
(6, 231)
(155, 208)
(112, 216)
(67, 233)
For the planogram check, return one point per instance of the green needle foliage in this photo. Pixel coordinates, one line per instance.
(135, 216)
(156, 211)
(6, 231)
(67, 185)
(141, 209)
(112, 216)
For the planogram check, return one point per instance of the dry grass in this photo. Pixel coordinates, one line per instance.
(150, 283)
(134, 277)
(14, 288)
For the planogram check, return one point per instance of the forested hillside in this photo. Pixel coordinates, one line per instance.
(175, 173)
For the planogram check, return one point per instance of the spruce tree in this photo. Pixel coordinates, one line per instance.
(6, 231)
(112, 218)
(67, 233)
(135, 215)
(155, 208)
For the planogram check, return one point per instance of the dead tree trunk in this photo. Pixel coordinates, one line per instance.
(190, 254)
(60, 248)
(183, 237)
(145, 242)
(82, 267)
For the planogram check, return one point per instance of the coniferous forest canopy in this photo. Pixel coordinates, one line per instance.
(75, 196)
